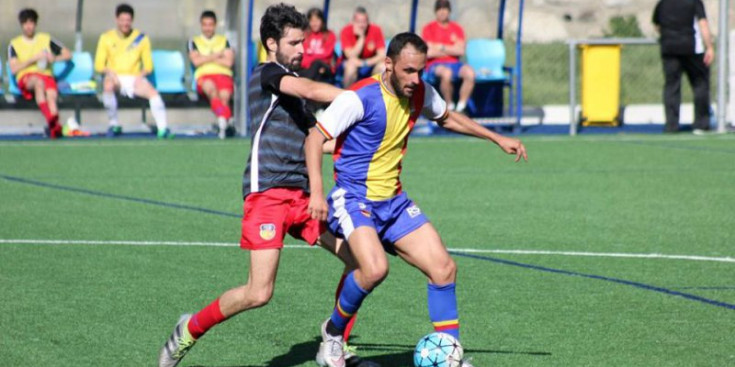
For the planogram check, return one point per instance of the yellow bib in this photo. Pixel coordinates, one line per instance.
(26, 49)
(207, 47)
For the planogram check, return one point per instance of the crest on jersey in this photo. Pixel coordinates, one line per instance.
(267, 231)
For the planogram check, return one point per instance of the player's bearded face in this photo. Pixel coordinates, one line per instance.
(290, 49)
(406, 72)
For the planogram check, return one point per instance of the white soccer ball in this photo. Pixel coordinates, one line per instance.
(438, 350)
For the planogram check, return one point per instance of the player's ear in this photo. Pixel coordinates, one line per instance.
(388, 64)
(271, 44)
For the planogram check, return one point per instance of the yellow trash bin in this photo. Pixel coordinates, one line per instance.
(601, 85)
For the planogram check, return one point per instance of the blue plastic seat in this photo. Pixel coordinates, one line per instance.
(1, 76)
(168, 72)
(75, 77)
(487, 58)
(12, 84)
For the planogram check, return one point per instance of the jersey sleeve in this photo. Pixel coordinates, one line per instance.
(11, 52)
(380, 40)
(435, 108)
(56, 47)
(227, 44)
(270, 77)
(146, 55)
(100, 57)
(191, 45)
(699, 12)
(345, 111)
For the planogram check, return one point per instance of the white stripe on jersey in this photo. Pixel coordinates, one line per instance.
(256, 146)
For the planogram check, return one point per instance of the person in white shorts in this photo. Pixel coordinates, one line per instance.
(124, 59)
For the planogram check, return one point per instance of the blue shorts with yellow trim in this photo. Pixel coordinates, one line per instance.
(392, 219)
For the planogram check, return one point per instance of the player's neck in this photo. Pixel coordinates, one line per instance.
(384, 77)
(444, 24)
(119, 32)
(29, 38)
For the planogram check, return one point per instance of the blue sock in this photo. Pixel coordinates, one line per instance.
(443, 309)
(349, 301)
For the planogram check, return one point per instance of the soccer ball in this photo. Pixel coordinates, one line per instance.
(438, 350)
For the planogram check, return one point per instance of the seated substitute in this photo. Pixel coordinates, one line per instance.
(363, 48)
(31, 56)
(446, 42)
(211, 55)
(318, 62)
(124, 59)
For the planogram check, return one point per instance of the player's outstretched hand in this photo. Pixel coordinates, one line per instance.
(513, 146)
(318, 208)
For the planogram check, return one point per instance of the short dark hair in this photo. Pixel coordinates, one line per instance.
(316, 12)
(442, 4)
(26, 15)
(124, 8)
(276, 19)
(208, 14)
(399, 42)
(361, 10)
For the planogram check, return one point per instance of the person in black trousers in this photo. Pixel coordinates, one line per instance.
(686, 46)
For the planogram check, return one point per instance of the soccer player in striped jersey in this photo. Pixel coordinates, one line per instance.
(124, 59)
(275, 182)
(367, 206)
(31, 57)
(211, 55)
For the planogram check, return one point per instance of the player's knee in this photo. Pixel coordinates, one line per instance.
(375, 273)
(445, 75)
(468, 74)
(445, 272)
(258, 297)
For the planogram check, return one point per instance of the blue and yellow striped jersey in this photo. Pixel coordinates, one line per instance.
(372, 125)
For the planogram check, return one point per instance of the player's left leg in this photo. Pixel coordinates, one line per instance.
(143, 88)
(467, 74)
(423, 248)
(52, 95)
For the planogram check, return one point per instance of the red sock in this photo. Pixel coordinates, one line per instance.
(205, 319)
(350, 323)
(46, 112)
(220, 109)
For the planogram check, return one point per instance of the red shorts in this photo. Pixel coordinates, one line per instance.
(221, 82)
(48, 80)
(269, 215)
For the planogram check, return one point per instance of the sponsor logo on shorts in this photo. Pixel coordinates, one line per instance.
(267, 231)
(364, 209)
(413, 211)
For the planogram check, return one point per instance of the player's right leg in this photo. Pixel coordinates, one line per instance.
(209, 88)
(256, 293)
(110, 85)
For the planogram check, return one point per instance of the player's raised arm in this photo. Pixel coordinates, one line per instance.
(309, 89)
(462, 124)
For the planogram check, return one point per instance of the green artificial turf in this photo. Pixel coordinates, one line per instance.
(76, 304)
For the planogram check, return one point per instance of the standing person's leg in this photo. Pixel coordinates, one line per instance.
(672, 92)
(143, 88)
(257, 292)
(699, 78)
(424, 250)
(467, 74)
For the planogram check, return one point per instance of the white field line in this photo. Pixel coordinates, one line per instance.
(725, 259)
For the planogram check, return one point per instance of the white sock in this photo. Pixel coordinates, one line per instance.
(461, 106)
(451, 106)
(110, 102)
(158, 109)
